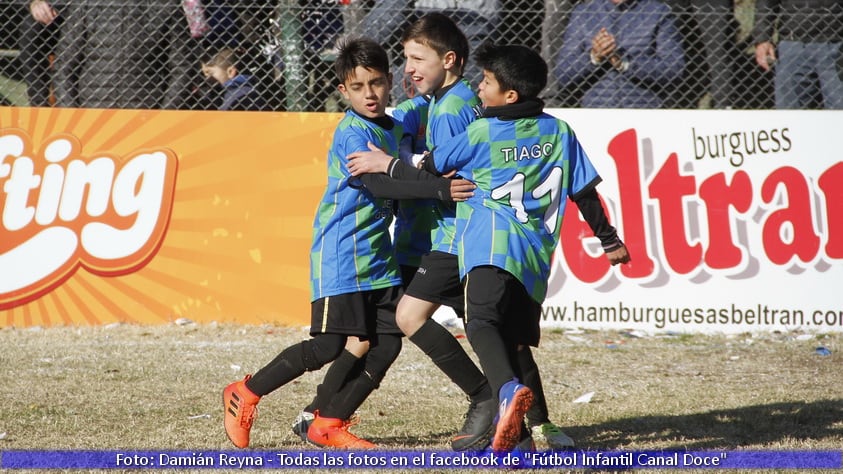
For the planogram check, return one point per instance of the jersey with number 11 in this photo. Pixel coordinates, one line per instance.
(524, 169)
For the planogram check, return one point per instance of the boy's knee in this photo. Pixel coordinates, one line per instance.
(357, 347)
(410, 316)
(406, 322)
(320, 350)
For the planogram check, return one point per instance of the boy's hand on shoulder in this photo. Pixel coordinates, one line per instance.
(461, 189)
(618, 255)
(373, 161)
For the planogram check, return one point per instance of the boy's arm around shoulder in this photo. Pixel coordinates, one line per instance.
(398, 180)
(592, 211)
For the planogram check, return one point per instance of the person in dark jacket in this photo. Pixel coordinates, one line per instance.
(239, 91)
(808, 59)
(708, 29)
(38, 33)
(624, 53)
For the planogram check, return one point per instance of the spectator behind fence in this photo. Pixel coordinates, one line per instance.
(387, 19)
(808, 61)
(191, 32)
(623, 53)
(239, 90)
(38, 31)
(554, 22)
(708, 29)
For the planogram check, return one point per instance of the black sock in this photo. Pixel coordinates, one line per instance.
(287, 366)
(530, 376)
(492, 351)
(382, 353)
(346, 367)
(447, 353)
(343, 404)
(295, 360)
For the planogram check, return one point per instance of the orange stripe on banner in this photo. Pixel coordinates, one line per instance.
(58, 303)
(134, 125)
(41, 306)
(51, 121)
(80, 307)
(105, 300)
(97, 129)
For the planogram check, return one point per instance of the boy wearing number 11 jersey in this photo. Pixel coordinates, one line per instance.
(525, 163)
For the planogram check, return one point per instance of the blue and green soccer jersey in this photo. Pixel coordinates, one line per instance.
(449, 116)
(352, 249)
(415, 216)
(412, 113)
(525, 170)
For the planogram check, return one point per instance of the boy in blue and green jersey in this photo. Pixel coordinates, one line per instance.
(412, 227)
(436, 51)
(525, 163)
(451, 110)
(355, 281)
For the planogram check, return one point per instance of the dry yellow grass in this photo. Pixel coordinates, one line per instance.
(128, 387)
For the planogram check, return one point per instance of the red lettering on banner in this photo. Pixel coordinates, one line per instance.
(669, 188)
(719, 197)
(788, 232)
(829, 182)
(624, 150)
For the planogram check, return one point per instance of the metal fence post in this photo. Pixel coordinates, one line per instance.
(295, 78)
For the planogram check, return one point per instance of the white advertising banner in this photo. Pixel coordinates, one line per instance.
(733, 219)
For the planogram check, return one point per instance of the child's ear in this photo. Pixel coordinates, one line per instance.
(231, 72)
(450, 60)
(511, 96)
(343, 90)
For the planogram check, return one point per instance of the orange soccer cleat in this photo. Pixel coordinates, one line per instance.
(240, 406)
(333, 433)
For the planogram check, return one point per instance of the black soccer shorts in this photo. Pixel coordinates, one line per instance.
(437, 280)
(496, 295)
(360, 314)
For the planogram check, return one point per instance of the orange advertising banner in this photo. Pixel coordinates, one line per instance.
(143, 216)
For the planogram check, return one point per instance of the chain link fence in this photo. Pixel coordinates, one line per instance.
(177, 54)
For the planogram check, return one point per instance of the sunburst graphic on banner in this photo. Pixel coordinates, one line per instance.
(237, 239)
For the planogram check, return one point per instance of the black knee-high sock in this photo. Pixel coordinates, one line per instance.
(492, 351)
(346, 367)
(380, 357)
(284, 368)
(447, 353)
(295, 360)
(530, 376)
(350, 397)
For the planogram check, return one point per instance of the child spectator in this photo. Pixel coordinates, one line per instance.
(239, 89)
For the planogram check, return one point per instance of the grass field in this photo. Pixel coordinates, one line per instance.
(158, 387)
